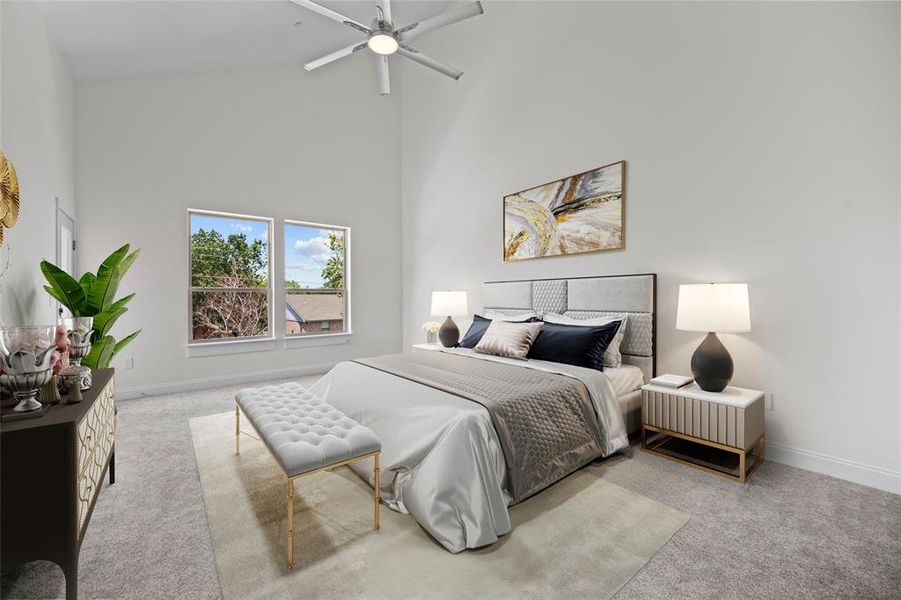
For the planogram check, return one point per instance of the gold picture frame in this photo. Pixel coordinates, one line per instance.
(580, 213)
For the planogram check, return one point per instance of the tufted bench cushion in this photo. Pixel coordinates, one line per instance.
(303, 432)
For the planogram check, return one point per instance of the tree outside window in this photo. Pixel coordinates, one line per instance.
(230, 276)
(316, 290)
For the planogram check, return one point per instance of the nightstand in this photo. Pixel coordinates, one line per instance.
(717, 432)
(427, 346)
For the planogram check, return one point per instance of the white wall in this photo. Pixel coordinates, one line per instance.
(36, 134)
(272, 142)
(762, 147)
(898, 405)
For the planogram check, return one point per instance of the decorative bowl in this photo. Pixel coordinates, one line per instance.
(25, 359)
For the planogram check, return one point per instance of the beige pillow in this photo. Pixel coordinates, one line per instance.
(511, 340)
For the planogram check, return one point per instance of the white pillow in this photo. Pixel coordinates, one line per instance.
(511, 340)
(499, 316)
(612, 356)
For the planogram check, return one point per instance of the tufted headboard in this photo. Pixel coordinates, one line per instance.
(634, 296)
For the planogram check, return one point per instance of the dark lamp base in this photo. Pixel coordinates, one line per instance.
(711, 365)
(449, 334)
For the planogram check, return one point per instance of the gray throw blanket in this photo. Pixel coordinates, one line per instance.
(545, 422)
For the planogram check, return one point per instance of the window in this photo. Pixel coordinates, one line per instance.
(317, 287)
(231, 276)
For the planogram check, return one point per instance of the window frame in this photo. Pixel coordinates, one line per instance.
(329, 333)
(258, 342)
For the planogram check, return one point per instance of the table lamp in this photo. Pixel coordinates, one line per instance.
(445, 303)
(713, 308)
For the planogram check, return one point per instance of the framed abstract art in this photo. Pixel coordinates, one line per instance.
(581, 213)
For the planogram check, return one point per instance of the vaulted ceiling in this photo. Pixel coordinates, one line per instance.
(105, 39)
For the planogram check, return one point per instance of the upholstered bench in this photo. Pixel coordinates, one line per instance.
(305, 435)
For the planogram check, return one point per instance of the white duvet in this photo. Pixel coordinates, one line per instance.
(441, 460)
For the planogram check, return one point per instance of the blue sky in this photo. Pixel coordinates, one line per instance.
(228, 226)
(306, 252)
(306, 248)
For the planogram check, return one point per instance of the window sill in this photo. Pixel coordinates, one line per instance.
(321, 339)
(197, 350)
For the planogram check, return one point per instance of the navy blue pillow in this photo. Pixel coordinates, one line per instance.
(476, 331)
(582, 346)
(479, 327)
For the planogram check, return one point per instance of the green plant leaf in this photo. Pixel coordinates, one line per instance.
(55, 295)
(86, 281)
(120, 303)
(126, 263)
(106, 283)
(125, 341)
(105, 320)
(68, 291)
(100, 354)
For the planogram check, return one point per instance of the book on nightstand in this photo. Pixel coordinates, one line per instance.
(671, 381)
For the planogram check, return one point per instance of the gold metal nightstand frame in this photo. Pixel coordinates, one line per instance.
(743, 471)
(290, 497)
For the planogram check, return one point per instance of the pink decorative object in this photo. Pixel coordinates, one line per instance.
(60, 358)
(62, 338)
(59, 361)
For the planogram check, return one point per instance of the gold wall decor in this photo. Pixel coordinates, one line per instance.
(580, 213)
(9, 195)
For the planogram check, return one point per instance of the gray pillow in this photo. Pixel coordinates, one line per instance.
(511, 340)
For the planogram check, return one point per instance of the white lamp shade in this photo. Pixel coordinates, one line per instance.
(716, 307)
(449, 304)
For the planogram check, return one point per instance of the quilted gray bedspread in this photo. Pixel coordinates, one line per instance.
(545, 422)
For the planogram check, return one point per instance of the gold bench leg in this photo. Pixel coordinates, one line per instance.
(290, 523)
(375, 491)
(237, 430)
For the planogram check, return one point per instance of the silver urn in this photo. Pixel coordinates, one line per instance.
(25, 359)
(78, 330)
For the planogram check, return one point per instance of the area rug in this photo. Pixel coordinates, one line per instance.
(582, 537)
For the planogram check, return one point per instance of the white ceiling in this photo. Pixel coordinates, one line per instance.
(105, 39)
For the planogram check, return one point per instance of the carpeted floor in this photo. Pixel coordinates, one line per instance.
(338, 555)
(789, 533)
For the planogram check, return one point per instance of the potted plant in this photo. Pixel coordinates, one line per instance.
(431, 331)
(94, 295)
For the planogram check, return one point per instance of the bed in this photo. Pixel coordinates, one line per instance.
(446, 458)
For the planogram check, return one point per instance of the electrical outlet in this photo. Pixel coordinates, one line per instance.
(129, 363)
(768, 401)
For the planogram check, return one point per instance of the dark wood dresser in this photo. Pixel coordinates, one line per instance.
(52, 468)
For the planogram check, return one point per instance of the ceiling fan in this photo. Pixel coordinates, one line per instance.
(384, 39)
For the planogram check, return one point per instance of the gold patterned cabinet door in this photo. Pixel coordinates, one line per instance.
(96, 436)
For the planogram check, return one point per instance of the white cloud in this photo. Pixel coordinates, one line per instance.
(242, 228)
(316, 248)
(311, 246)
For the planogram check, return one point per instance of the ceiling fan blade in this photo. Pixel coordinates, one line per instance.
(384, 7)
(382, 69)
(333, 56)
(448, 18)
(429, 62)
(334, 16)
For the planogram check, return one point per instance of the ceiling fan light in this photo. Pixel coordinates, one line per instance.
(383, 43)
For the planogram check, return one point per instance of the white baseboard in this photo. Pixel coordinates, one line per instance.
(190, 385)
(877, 477)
